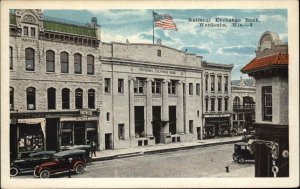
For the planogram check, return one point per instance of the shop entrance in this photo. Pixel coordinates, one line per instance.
(108, 141)
(79, 133)
(51, 134)
(139, 120)
(156, 123)
(172, 119)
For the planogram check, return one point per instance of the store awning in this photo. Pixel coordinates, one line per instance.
(32, 121)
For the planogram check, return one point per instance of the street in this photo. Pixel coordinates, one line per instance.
(201, 162)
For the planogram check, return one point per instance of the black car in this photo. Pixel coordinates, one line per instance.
(242, 152)
(65, 161)
(86, 148)
(28, 164)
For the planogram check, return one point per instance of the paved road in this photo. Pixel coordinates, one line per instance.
(202, 162)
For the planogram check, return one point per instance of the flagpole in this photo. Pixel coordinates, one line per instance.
(153, 25)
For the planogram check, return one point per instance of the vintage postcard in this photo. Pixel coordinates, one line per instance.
(159, 94)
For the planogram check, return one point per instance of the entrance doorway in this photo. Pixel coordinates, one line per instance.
(108, 141)
(172, 119)
(51, 134)
(79, 133)
(156, 123)
(199, 133)
(139, 120)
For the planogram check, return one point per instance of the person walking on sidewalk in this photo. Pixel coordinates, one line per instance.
(70, 167)
(93, 149)
(244, 131)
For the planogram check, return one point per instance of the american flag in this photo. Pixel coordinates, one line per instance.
(164, 21)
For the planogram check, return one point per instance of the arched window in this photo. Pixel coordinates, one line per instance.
(30, 92)
(91, 99)
(236, 101)
(10, 58)
(29, 59)
(64, 62)
(77, 63)
(11, 98)
(65, 95)
(206, 82)
(78, 98)
(50, 61)
(206, 103)
(51, 94)
(90, 64)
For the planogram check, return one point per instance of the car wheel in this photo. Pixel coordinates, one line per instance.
(14, 171)
(45, 174)
(234, 158)
(79, 169)
(241, 160)
(34, 174)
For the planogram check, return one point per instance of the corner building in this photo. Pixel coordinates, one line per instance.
(152, 94)
(55, 82)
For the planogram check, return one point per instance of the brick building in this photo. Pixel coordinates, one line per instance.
(216, 99)
(55, 82)
(270, 70)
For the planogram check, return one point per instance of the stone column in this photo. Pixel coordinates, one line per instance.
(131, 108)
(165, 108)
(72, 99)
(58, 98)
(179, 109)
(149, 130)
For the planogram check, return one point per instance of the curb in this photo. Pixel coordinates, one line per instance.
(150, 152)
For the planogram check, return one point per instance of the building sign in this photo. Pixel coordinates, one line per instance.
(155, 71)
(26, 115)
(86, 112)
(28, 40)
(221, 115)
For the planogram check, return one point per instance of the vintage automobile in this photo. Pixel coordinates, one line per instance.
(62, 162)
(86, 148)
(242, 152)
(28, 164)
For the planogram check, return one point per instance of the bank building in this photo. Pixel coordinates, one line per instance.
(67, 87)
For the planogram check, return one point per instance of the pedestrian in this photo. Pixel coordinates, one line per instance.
(93, 149)
(70, 167)
(244, 131)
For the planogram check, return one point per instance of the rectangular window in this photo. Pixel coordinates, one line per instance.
(212, 87)
(90, 64)
(107, 116)
(191, 88)
(156, 87)
(172, 87)
(241, 116)
(219, 104)
(212, 103)
(121, 131)
(233, 116)
(198, 89)
(267, 103)
(226, 84)
(120, 85)
(107, 85)
(226, 104)
(191, 126)
(219, 83)
(32, 31)
(159, 53)
(25, 32)
(206, 82)
(139, 86)
(10, 58)
(206, 104)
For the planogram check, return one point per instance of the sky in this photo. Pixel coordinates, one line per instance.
(224, 45)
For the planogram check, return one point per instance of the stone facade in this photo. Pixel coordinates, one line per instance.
(243, 104)
(34, 72)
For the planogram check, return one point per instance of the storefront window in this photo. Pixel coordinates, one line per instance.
(30, 138)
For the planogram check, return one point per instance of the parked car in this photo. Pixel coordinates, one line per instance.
(62, 162)
(86, 148)
(28, 164)
(242, 152)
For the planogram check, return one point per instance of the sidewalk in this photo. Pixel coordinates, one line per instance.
(161, 148)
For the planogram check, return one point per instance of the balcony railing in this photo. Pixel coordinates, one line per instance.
(243, 106)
